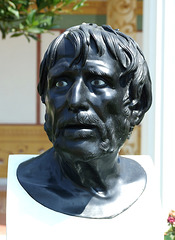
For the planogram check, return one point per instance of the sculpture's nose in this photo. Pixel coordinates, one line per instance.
(77, 96)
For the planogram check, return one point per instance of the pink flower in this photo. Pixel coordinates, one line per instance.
(171, 220)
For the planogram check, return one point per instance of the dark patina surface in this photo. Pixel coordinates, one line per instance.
(96, 87)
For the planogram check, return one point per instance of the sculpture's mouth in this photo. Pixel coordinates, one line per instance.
(79, 131)
(79, 126)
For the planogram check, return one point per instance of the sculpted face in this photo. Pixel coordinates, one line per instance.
(86, 112)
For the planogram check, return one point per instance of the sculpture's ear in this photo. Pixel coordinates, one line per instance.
(140, 100)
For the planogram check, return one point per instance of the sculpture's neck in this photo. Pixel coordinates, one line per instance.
(97, 175)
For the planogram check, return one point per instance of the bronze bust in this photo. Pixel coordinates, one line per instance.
(96, 86)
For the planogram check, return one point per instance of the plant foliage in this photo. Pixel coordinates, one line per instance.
(170, 234)
(31, 17)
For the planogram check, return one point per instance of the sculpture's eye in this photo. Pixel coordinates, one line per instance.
(61, 84)
(98, 83)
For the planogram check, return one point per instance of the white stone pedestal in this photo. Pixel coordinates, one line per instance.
(29, 220)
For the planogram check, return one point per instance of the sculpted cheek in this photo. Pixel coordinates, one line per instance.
(54, 102)
(114, 105)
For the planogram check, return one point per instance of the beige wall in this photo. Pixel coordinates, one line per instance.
(17, 81)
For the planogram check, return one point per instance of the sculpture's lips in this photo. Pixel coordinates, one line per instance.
(79, 131)
(79, 126)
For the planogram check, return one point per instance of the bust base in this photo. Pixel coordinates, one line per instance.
(27, 219)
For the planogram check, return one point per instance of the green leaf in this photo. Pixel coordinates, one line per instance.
(78, 5)
(167, 237)
(16, 34)
(27, 37)
(16, 19)
(12, 4)
(31, 16)
(45, 20)
(13, 11)
(33, 36)
(2, 11)
(44, 4)
(35, 30)
(25, 2)
(35, 23)
(55, 2)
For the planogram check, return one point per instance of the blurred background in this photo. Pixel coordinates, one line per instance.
(151, 24)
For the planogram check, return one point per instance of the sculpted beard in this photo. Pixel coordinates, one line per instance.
(113, 133)
(79, 119)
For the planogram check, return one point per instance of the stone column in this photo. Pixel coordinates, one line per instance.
(122, 14)
(159, 39)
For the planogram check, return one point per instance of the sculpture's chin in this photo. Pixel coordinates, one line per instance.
(83, 150)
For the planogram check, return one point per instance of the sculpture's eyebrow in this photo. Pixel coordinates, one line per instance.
(99, 69)
(98, 72)
(58, 69)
